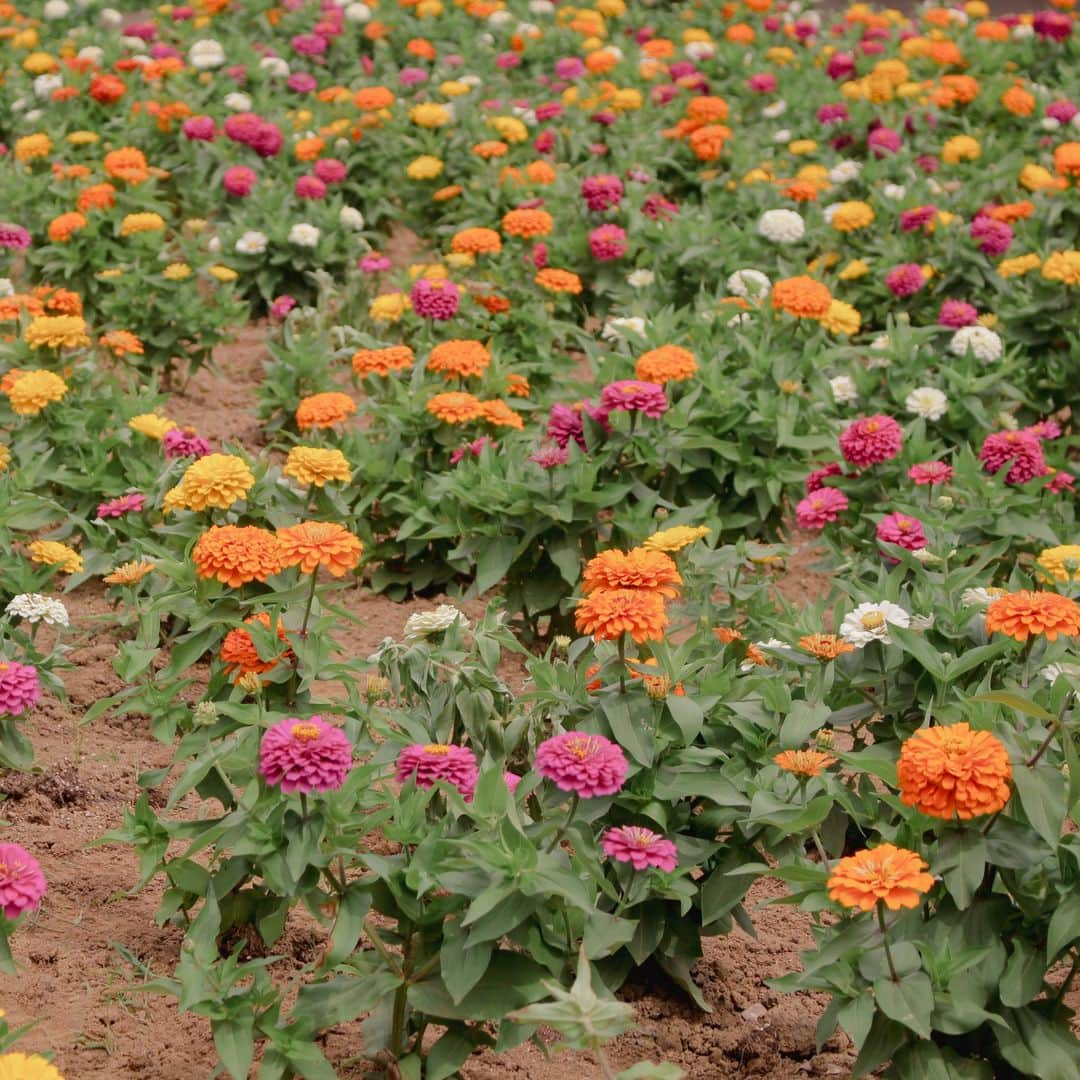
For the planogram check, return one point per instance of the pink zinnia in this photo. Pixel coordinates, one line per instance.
(1061, 111)
(238, 180)
(474, 448)
(19, 687)
(282, 305)
(1019, 447)
(821, 508)
(310, 187)
(199, 128)
(375, 263)
(22, 884)
(630, 395)
(13, 237)
(1060, 481)
(640, 847)
(994, 237)
(300, 82)
(930, 472)
(564, 424)
(834, 113)
(957, 313)
(125, 504)
(764, 82)
(920, 217)
(871, 440)
(330, 170)
(816, 480)
(512, 781)
(435, 299)
(1045, 429)
(602, 192)
(183, 442)
(883, 140)
(905, 279)
(305, 755)
(268, 140)
(587, 765)
(841, 66)
(427, 764)
(607, 243)
(550, 457)
(902, 530)
(658, 208)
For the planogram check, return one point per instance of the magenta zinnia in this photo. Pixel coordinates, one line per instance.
(305, 755)
(19, 688)
(431, 762)
(640, 847)
(587, 765)
(631, 395)
(871, 440)
(22, 884)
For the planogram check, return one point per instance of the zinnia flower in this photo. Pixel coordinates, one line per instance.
(1023, 614)
(324, 410)
(1061, 563)
(312, 544)
(895, 876)
(825, 646)
(609, 613)
(240, 655)
(952, 769)
(902, 529)
(57, 332)
(640, 847)
(587, 765)
(639, 568)
(33, 390)
(427, 764)
(19, 687)
(820, 508)
(22, 884)
(669, 363)
(455, 407)
(53, 553)
(802, 297)
(313, 465)
(675, 538)
(382, 361)
(1019, 447)
(217, 480)
(125, 504)
(931, 472)
(870, 622)
(905, 280)
(237, 554)
(305, 755)
(630, 395)
(436, 300)
(460, 358)
(871, 440)
(19, 1066)
(804, 762)
(129, 573)
(183, 442)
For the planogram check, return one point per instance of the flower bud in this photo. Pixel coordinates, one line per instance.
(250, 683)
(944, 502)
(376, 689)
(205, 714)
(657, 686)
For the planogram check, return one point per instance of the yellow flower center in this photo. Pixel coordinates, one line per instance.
(581, 748)
(873, 620)
(872, 426)
(304, 732)
(437, 749)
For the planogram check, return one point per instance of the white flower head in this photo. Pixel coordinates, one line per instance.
(777, 108)
(238, 102)
(541, 7)
(252, 243)
(94, 53)
(927, 402)
(55, 10)
(304, 235)
(747, 283)
(844, 172)
(697, 51)
(894, 191)
(351, 218)
(358, 13)
(6, 287)
(614, 329)
(1048, 123)
(870, 622)
(782, 136)
(983, 342)
(500, 18)
(640, 279)
(781, 226)
(422, 624)
(44, 85)
(980, 597)
(275, 67)
(1023, 31)
(844, 390)
(111, 19)
(206, 54)
(37, 608)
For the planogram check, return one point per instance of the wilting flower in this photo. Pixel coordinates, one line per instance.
(825, 646)
(952, 769)
(22, 884)
(34, 608)
(129, 573)
(870, 622)
(1024, 614)
(1061, 563)
(19, 687)
(804, 762)
(871, 440)
(53, 553)
(587, 765)
(820, 508)
(550, 457)
(312, 544)
(609, 613)
(427, 764)
(888, 874)
(675, 538)
(305, 755)
(314, 465)
(630, 395)
(237, 554)
(639, 568)
(640, 847)
(217, 480)
(422, 624)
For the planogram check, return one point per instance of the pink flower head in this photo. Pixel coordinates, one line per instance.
(305, 755)
(310, 187)
(816, 480)
(438, 761)
(282, 305)
(512, 781)
(243, 127)
(13, 237)
(902, 529)
(871, 440)
(905, 279)
(570, 67)
(587, 765)
(883, 140)
(199, 128)
(539, 255)
(550, 457)
(412, 76)
(821, 508)
(640, 847)
(375, 263)
(435, 299)
(833, 113)
(548, 111)
(126, 504)
(607, 243)
(841, 66)
(268, 140)
(564, 424)
(1019, 447)
(238, 180)
(19, 687)
(310, 44)
(1055, 25)
(602, 192)
(473, 449)
(1061, 111)
(630, 395)
(764, 82)
(1060, 481)
(22, 884)
(183, 442)
(1045, 429)
(930, 472)
(957, 313)
(994, 237)
(330, 170)
(921, 217)
(658, 208)
(300, 82)
(544, 143)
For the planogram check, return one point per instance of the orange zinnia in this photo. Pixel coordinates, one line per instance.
(825, 646)
(669, 363)
(455, 407)
(639, 568)
(802, 296)
(499, 414)
(238, 652)
(953, 770)
(708, 141)
(62, 226)
(237, 554)
(804, 762)
(527, 223)
(121, 342)
(886, 873)
(1025, 613)
(372, 98)
(559, 281)
(607, 614)
(476, 241)
(312, 544)
(96, 197)
(127, 164)
(461, 358)
(324, 410)
(382, 361)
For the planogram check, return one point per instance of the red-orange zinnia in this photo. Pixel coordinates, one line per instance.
(1022, 614)
(312, 544)
(639, 568)
(886, 873)
(607, 614)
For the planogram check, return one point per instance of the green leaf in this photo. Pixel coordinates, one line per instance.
(1023, 975)
(925, 1061)
(909, 1001)
(916, 645)
(495, 558)
(511, 982)
(462, 968)
(961, 861)
(333, 1001)
(882, 1041)
(234, 1039)
(1037, 1046)
(801, 722)
(1015, 701)
(629, 732)
(1064, 926)
(856, 1018)
(688, 715)
(353, 909)
(448, 1055)
(1042, 795)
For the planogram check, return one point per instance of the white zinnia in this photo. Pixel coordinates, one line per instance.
(55, 9)
(358, 13)
(541, 7)
(275, 67)
(351, 218)
(613, 328)
(421, 624)
(37, 608)
(304, 235)
(980, 597)
(640, 279)
(6, 287)
(984, 343)
(781, 226)
(252, 243)
(111, 19)
(777, 108)
(747, 283)
(44, 85)
(894, 191)
(699, 50)
(844, 390)
(238, 102)
(870, 622)
(844, 172)
(206, 54)
(94, 53)
(927, 402)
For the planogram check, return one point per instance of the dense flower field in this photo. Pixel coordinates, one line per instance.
(688, 284)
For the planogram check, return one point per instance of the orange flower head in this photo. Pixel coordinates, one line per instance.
(707, 110)
(1023, 614)
(237, 554)
(708, 142)
(241, 657)
(639, 568)
(804, 762)
(527, 223)
(96, 197)
(517, 385)
(455, 407)
(121, 343)
(1067, 159)
(802, 297)
(382, 361)
(607, 614)
(476, 241)
(825, 646)
(312, 544)
(558, 281)
(324, 410)
(127, 164)
(62, 226)
(727, 634)
(459, 358)
(497, 413)
(885, 874)
(669, 363)
(952, 770)
(373, 98)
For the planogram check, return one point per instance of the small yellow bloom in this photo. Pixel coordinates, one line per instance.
(854, 270)
(152, 425)
(849, 216)
(56, 332)
(223, 273)
(989, 320)
(1019, 265)
(5, 463)
(389, 307)
(33, 146)
(453, 88)
(129, 573)
(176, 271)
(83, 138)
(800, 147)
(33, 390)
(1036, 178)
(40, 63)
(960, 148)
(509, 128)
(53, 553)
(429, 114)
(841, 318)
(134, 224)
(425, 167)
(676, 538)
(217, 480)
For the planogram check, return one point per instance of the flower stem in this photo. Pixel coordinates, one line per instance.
(561, 831)
(622, 663)
(1034, 759)
(885, 941)
(310, 601)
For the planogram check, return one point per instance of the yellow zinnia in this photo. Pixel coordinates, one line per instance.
(57, 332)
(676, 538)
(53, 553)
(1061, 563)
(142, 223)
(1063, 266)
(841, 318)
(425, 167)
(153, 425)
(313, 465)
(217, 480)
(32, 391)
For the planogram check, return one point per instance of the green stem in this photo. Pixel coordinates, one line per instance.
(605, 1065)
(401, 1001)
(885, 941)
(561, 831)
(310, 601)
(303, 805)
(382, 949)
(821, 852)
(622, 663)
(1034, 759)
(1028, 646)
